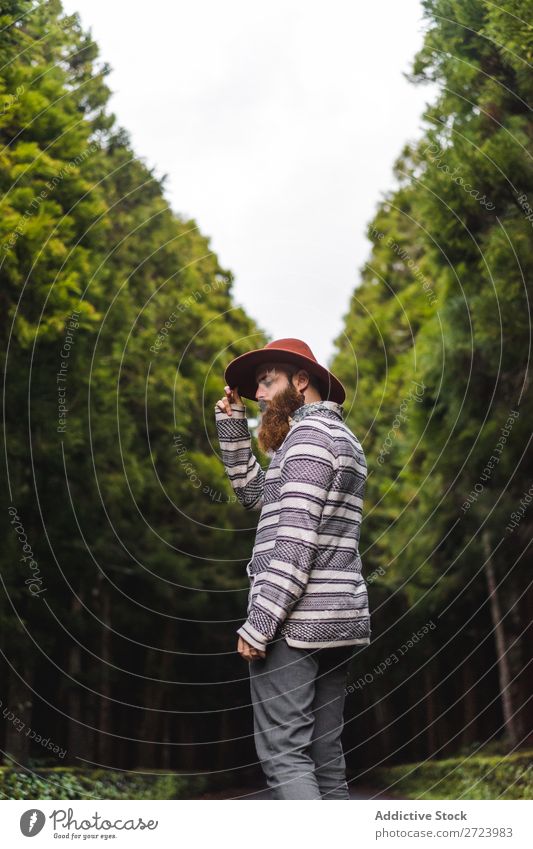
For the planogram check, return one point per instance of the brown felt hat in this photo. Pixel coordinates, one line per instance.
(241, 370)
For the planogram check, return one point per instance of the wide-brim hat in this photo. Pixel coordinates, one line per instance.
(241, 371)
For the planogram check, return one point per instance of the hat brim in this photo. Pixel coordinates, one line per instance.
(241, 372)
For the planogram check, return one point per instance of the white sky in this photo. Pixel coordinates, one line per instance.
(278, 124)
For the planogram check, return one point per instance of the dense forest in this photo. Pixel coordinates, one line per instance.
(124, 552)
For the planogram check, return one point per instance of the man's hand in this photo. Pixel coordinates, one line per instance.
(249, 652)
(232, 397)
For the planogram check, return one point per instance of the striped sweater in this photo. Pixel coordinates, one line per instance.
(305, 570)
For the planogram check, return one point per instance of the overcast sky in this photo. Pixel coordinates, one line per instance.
(278, 124)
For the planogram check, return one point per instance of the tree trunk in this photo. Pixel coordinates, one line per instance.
(105, 739)
(19, 718)
(384, 719)
(79, 737)
(431, 712)
(519, 634)
(470, 712)
(154, 725)
(504, 672)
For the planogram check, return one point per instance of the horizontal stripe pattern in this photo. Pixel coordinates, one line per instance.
(306, 570)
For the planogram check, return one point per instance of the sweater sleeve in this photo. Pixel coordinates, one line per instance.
(246, 475)
(307, 471)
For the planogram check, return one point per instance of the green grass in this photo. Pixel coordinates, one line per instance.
(80, 783)
(483, 776)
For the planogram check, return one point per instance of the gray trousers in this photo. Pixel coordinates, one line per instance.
(298, 704)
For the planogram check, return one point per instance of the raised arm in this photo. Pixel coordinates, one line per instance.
(246, 475)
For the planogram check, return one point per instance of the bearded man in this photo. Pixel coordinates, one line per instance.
(308, 603)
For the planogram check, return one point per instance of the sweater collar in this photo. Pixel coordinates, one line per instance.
(315, 407)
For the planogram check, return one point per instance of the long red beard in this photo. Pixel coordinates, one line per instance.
(275, 420)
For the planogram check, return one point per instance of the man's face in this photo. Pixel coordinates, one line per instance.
(270, 378)
(278, 399)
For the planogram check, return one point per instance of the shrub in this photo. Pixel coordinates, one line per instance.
(471, 777)
(79, 783)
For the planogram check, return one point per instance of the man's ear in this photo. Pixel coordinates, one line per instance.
(305, 376)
